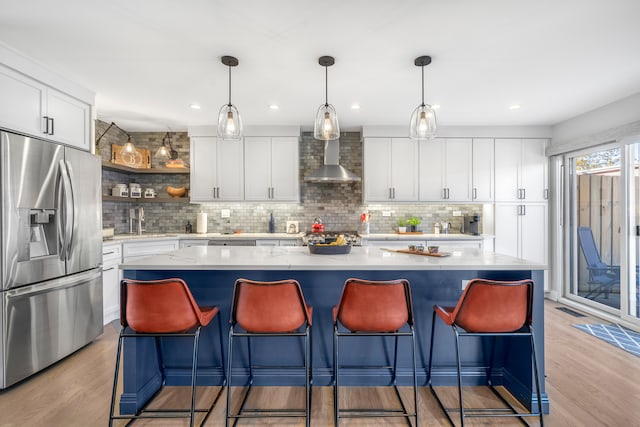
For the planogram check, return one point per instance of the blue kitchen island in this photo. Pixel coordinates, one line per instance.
(210, 272)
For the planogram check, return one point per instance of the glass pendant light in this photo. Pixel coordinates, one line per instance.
(229, 121)
(166, 151)
(326, 127)
(423, 120)
(128, 147)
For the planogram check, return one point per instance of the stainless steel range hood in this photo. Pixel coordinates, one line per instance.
(331, 171)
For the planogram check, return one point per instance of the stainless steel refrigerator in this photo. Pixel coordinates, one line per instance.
(51, 281)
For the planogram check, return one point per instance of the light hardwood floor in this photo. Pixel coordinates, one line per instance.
(589, 383)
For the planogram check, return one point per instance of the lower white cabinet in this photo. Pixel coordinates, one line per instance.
(185, 243)
(111, 257)
(278, 242)
(455, 244)
(136, 250)
(521, 231)
(392, 244)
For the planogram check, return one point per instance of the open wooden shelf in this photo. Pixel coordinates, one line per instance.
(120, 168)
(106, 198)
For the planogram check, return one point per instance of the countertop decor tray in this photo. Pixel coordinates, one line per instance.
(424, 253)
(329, 250)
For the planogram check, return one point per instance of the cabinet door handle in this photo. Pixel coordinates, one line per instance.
(524, 210)
(524, 193)
(447, 193)
(52, 131)
(107, 269)
(390, 193)
(46, 125)
(394, 193)
(546, 193)
(475, 193)
(108, 253)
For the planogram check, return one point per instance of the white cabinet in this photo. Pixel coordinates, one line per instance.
(30, 107)
(216, 170)
(111, 257)
(392, 244)
(446, 169)
(22, 102)
(136, 250)
(521, 230)
(186, 243)
(457, 244)
(483, 170)
(390, 170)
(520, 170)
(271, 169)
(68, 120)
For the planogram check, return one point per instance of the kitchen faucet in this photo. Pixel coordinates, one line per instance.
(139, 218)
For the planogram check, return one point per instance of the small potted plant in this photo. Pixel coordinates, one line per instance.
(402, 225)
(413, 223)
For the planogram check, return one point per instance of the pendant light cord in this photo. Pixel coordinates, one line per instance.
(422, 85)
(230, 86)
(326, 85)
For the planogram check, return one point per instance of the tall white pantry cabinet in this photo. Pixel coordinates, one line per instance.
(521, 221)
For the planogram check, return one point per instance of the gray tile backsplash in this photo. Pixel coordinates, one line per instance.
(338, 205)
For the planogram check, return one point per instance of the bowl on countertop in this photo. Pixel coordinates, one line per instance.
(322, 249)
(176, 191)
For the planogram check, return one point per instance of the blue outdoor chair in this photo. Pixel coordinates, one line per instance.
(601, 275)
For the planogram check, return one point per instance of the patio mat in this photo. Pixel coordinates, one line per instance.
(626, 339)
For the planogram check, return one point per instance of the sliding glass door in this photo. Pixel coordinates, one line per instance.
(602, 237)
(595, 190)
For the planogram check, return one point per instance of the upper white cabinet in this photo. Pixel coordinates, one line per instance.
(31, 107)
(520, 170)
(483, 170)
(68, 120)
(446, 169)
(271, 169)
(390, 170)
(216, 170)
(22, 102)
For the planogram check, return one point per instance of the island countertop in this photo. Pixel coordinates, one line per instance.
(299, 258)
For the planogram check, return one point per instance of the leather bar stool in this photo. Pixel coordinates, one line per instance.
(374, 308)
(495, 309)
(270, 309)
(163, 308)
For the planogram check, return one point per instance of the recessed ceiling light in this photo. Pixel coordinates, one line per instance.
(273, 106)
(514, 107)
(355, 106)
(194, 106)
(435, 106)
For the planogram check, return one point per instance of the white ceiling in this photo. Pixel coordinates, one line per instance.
(148, 60)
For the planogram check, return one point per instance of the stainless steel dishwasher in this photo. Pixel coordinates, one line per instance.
(232, 242)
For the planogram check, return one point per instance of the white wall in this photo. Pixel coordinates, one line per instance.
(607, 123)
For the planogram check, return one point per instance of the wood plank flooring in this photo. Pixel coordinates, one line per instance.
(589, 383)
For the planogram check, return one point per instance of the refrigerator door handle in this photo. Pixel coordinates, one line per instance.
(74, 206)
(68, 209)
(62, 283)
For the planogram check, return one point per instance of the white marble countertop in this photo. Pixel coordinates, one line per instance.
(425, 236)
(299, 258)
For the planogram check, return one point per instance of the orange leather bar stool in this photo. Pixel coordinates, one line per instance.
(374, 308)
(489, 308)
(163, 308)
(269, 309)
